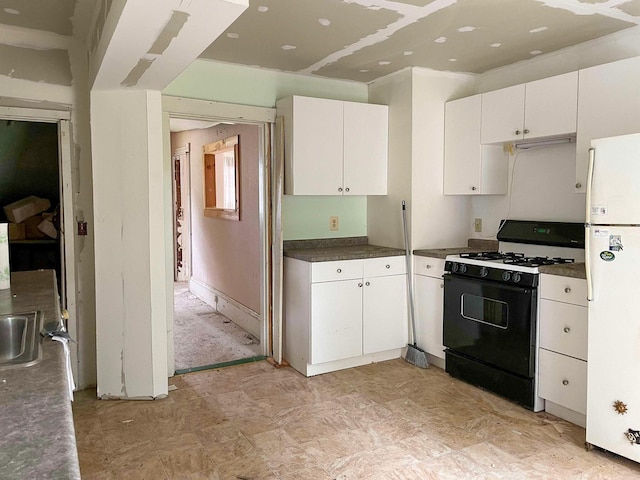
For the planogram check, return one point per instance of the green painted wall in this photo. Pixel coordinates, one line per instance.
(303, 217)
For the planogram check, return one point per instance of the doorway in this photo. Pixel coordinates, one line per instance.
(59, 253)
(218, 316)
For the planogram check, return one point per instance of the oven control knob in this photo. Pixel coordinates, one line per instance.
(484, 271)
(455, 267)
(506, 276)
(516, 277)
(463, 268)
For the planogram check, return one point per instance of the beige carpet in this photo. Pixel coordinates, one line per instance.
(204, 337)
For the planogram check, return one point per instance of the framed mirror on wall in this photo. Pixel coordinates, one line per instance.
(222, 178)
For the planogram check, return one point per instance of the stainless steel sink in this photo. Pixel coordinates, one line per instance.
(20, 339)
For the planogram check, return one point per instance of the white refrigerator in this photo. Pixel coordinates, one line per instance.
(612, 248)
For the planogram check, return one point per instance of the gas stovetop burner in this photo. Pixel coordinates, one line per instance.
(537, 261)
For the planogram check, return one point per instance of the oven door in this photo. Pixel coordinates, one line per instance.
(491, 322)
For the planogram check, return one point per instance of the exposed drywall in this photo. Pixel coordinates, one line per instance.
(302, 217)
(226, 253)
(48, 66)
(541, 188)
(130, 252)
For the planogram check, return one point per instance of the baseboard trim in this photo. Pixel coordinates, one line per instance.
(242, 316)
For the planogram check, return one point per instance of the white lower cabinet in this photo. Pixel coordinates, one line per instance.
(429, 296)
(342, 314)
(562, 366)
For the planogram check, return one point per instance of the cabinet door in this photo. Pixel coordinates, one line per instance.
(503, 115)
(366, 131)
(317, 138)
(385, 321)
(336, 320)
(429, 298)
(608, 105)
(462, 149)
(551, 106)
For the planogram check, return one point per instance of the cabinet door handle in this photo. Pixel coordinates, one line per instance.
(578, 185)
(339, 189)
(442, 285)
(567, 290)
(346, 189)
(473, 188)
(367, 284)
(428, 266)
(518, 132)
(526, 130)
(339, 270)
(360, 285)
(566, 329)
(387, 266)
(565, 382)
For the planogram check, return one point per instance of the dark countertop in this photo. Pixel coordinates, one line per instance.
(331, 249)
(473, 246)
(37, 438)
(575, 270)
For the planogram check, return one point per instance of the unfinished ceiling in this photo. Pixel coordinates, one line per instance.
(363, 40)
(48, 15)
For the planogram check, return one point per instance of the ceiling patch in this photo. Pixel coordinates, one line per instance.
(440, 39)
(288, 47)
(466, 29)
(169, 32)
(11, 11)
(535, 52)
(408, 52)
(453, 59)
(384, 62)
(233, 35)
(136, 72)
(496, 45)
(324, 22)
(538, 30)
(263, 9)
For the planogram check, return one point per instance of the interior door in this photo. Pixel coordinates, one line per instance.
(181, 215)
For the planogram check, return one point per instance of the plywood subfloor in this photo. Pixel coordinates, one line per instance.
(381, 421)
(204, 337)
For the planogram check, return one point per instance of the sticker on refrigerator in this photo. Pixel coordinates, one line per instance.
(607, 256)
(598, 209)
(598, 232)
(615, 243)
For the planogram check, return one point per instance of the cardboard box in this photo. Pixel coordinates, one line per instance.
(48, 228)
(31, 228)
(18, 212)
(17, 231)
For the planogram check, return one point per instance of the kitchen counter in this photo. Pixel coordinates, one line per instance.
(473, 246)
(331, 249)
(575, 270)
(37, 438)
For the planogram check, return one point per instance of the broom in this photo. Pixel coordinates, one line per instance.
(415, 355)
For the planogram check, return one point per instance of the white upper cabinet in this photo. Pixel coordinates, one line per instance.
(543, 108)
(503, 115)
(334, 147)
(608, 105)
(469, 167)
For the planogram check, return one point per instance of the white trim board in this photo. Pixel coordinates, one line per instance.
(242, 316)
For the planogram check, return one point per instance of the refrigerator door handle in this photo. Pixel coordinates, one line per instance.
(592, 159)
(587, 261)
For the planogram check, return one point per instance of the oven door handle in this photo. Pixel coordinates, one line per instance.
(451, 277)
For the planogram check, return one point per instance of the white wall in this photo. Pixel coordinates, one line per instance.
(541, 188)
(130, 251)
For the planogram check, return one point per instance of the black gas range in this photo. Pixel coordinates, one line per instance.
(491, 306)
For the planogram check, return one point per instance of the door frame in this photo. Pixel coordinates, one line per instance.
(185, 189)
(68, 252)
(264, 118)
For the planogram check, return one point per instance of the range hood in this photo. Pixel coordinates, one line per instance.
(544, 142)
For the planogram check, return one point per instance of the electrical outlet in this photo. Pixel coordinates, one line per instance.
(334, 225)
(477, 225)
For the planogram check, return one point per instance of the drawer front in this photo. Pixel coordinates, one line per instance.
(338, 270)
(431, 267)
(563, 328)
(564, 289)
(378, 267)
(563, 380)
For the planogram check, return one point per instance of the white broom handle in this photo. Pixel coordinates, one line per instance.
(408, 260)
